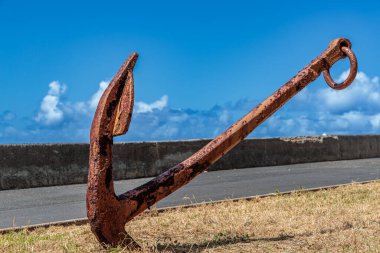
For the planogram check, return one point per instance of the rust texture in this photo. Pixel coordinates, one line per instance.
(107, 212)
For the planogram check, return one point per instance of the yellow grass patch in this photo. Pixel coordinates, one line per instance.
(345, 219)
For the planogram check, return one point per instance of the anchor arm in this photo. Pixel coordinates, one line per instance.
(112, 117)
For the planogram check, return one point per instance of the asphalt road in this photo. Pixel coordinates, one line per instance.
(50, 204)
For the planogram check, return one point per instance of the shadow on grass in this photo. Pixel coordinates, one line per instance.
(217, 241)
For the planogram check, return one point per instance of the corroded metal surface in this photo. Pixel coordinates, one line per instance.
(351, 76)
(109, 213)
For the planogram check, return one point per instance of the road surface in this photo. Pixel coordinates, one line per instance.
(59, 203)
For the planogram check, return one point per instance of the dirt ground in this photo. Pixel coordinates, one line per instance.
(345, 219)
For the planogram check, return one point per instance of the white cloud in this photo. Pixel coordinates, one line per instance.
(50, 113)
(362, 95)
(179, 117)
(70, 120)
(142, 107)
(375, 121)
(7, 116)
(355, 110)
(224, 116)
(56, 89)
(96, 97)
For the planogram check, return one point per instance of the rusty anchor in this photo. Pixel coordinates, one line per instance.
(107, 212)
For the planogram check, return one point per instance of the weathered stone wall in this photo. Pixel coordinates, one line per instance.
(24, 166)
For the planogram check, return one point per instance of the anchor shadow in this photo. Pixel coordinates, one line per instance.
(213, 243)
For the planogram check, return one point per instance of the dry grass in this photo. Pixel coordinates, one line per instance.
(346, 219)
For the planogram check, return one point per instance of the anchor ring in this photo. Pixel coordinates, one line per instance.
(351, 76)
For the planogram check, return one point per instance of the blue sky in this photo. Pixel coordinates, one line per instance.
(202, 65)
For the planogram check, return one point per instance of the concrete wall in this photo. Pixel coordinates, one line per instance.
(24, 166)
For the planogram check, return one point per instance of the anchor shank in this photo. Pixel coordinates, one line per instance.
(142, 197)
